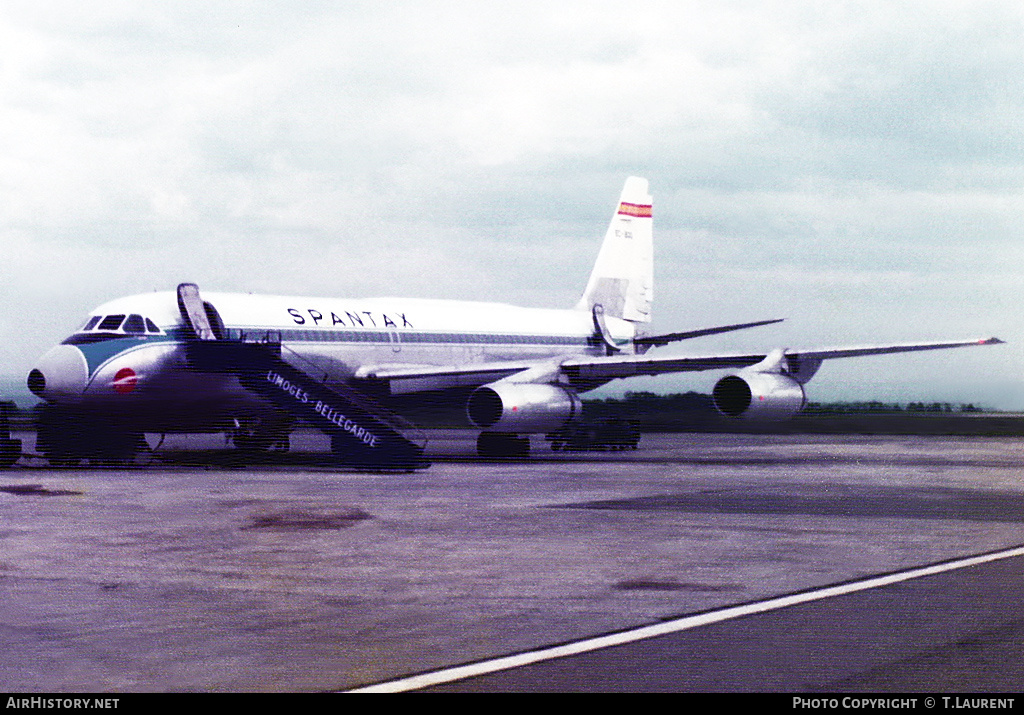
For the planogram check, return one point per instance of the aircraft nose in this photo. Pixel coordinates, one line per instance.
(60, 375)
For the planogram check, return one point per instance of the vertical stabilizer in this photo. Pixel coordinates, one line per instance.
(622, 281)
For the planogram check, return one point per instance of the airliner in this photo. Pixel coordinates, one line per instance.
(255, 365)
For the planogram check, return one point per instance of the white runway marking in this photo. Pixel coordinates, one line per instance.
(461, 672)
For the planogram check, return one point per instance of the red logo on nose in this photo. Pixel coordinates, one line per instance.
(125, 381)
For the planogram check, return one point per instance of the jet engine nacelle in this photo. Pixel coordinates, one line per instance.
(523, 407)
(759, 396)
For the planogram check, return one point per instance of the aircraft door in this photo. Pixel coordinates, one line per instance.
(201, 317)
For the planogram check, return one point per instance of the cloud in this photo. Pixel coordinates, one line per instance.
(853, 164)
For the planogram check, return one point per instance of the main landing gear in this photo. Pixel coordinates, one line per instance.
(67, 437)
(502, 445)
(261, 437)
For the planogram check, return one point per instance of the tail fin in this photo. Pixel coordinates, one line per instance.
(622, 281)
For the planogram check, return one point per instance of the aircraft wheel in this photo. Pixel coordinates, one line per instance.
(267, 436)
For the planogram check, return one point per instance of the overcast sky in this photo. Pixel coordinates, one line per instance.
(857, 168)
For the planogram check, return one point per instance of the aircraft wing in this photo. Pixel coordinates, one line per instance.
(586, 370)
(603, 368)
(418, 378)
(827, 353)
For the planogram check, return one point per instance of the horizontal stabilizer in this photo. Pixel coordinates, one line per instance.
(659, 340)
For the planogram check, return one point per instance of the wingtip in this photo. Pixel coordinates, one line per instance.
(993, 341)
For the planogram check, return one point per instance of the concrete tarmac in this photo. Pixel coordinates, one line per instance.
(186, 575)
(959, 631)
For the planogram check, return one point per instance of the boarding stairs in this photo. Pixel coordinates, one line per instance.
(363, 432)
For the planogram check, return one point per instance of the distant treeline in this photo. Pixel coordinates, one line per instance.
(695, 412)
(841, 408)
(649, 402)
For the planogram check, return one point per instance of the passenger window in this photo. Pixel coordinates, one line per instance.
(135, 325)
(91, 323)
(111, 322)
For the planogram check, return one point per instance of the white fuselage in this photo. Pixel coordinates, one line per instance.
(143, 371)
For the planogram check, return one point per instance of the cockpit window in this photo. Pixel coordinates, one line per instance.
(111, 322)
(135, 325)
(99, 328)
